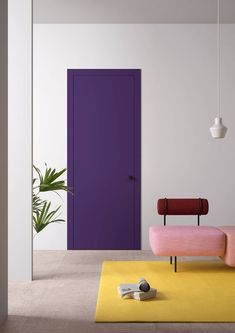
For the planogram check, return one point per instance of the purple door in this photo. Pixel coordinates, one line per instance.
(104, 158)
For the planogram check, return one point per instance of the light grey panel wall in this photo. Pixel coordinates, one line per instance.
(132, 11)
(3, 160)
(178, 62)
(20, 140)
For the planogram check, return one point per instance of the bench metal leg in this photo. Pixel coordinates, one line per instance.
(171, 260)
(198, 220)
(175, 264)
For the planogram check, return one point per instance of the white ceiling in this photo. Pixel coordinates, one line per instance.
(132, 11)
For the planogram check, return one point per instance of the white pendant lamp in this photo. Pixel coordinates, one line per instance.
(218, 130)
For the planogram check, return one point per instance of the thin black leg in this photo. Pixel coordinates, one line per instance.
(198, 220)
(175, 264)
(164, 219)
(171, 260)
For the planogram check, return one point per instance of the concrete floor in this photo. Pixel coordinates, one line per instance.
(62, 297)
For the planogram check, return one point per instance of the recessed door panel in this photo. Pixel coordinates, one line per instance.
(104, 159)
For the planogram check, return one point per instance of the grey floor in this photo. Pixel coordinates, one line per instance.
(62, 297)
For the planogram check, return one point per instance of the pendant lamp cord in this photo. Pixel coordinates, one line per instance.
(218, 58)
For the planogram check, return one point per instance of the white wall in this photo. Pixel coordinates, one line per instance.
(3, 164)
(178, 62)
(20, 140)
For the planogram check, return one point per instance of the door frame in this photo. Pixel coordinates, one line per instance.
(136, 74)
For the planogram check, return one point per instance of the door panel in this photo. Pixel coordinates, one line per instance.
(104, 159)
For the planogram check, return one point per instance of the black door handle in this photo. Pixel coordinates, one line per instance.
(131, 177)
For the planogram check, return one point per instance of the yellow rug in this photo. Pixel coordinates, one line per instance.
(198, 292)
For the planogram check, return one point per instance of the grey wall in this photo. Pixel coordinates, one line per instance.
(178, 62)
(3, 164)
(133, 11)
(20, 140)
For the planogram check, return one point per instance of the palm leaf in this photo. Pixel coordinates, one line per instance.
(37, 203)
(38, 172)
(49, 181)
(45, 216)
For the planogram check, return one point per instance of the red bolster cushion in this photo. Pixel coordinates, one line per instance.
(182, 206)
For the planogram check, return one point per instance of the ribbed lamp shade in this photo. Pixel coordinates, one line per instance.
(218, 130)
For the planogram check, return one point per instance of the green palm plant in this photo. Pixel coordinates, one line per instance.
(37, 203)
(43, 214)
(48, 180)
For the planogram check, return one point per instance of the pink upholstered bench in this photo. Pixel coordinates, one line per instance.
(229, 254)
(187, 241)
(191, 240)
